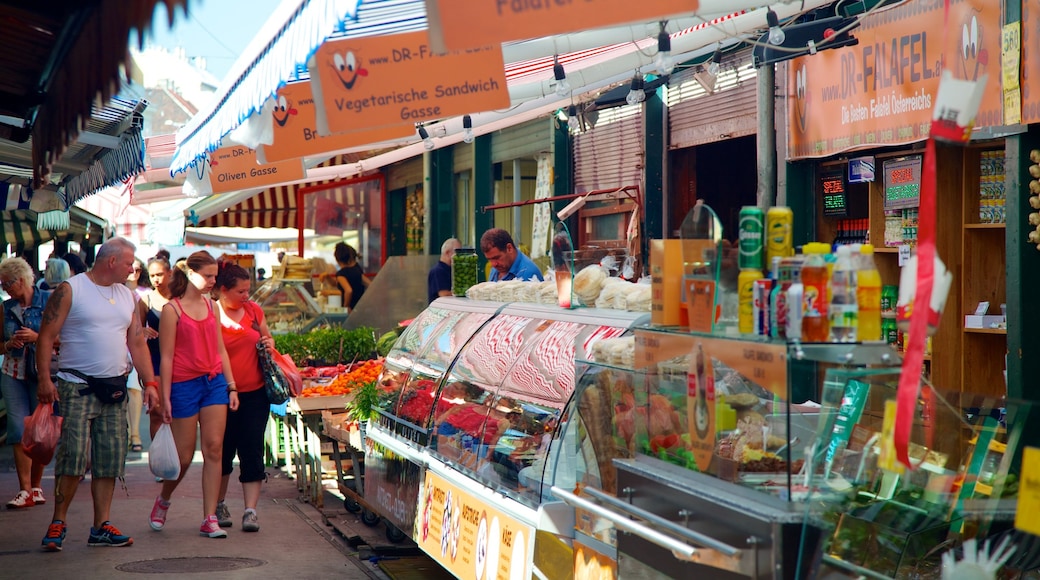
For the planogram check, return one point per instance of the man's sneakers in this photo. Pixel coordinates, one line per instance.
(249, 521)
(158, 518)
(24, 499)
(37, 496)
(211, 528)
(223, 515)
(55, 536)
(108, 536)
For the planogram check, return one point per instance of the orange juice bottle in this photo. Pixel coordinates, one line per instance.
(815, 326)
(868, 296)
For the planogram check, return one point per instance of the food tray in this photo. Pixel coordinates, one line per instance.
(316, 403)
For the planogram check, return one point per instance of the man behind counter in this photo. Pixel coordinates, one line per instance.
(507, 262)
(438, 281)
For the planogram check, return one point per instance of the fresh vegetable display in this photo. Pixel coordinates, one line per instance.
(347, 382)
(463, 271)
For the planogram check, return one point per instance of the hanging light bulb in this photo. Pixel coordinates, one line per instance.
(716, 62)
(563, 88)
(636, 94)
(427, 142)
(663, 62)
(776, 34)
(573, 124)
(467, 129)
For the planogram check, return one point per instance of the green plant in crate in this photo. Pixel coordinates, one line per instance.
(338, 345)
(294, 345)
(365, 402)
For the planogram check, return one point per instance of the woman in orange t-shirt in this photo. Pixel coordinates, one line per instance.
(242, 325)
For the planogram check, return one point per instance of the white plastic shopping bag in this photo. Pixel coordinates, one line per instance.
(162, 455)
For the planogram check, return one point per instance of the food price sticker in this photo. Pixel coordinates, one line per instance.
(1029, 493)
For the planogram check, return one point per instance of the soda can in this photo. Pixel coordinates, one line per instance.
(779, 223)
(761, 307)
(751, 226)
(745, 295)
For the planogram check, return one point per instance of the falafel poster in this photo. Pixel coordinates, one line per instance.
(468, 537)
(882, 90)
(381, 81)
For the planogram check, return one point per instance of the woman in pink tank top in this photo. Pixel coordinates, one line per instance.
(197, 385)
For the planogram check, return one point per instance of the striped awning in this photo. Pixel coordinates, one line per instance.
(18, 228)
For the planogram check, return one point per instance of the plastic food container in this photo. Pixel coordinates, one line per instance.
(463, 270)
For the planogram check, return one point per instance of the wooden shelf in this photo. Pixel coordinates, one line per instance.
(984, 227)
(886, 250)
(986, 330)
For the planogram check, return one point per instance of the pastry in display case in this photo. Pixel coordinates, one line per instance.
(287, 304)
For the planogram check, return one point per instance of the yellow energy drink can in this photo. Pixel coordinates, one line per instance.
(779, 223)
(746, 297)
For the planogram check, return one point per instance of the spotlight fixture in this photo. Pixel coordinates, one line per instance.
(573, 124)
(467, 129)
(636, 94)
(716, 62)
(663, 62)
(563, 88)
(776, 34)
(427, 143)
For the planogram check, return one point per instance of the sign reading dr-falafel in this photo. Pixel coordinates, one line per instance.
(381, 81)
(235, 168)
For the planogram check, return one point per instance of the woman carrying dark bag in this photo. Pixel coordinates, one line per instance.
(22, 314)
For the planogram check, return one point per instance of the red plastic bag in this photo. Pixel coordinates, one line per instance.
(285, 362)
(42, 431)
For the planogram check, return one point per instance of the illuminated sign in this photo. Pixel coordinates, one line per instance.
(832, 184)
(903, 182)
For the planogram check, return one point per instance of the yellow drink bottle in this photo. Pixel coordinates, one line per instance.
(868, 296)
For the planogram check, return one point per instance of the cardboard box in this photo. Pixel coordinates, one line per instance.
(666, 274)
(318, 403)
(983, 321)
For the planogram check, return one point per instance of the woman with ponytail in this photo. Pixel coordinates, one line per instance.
(197, 383)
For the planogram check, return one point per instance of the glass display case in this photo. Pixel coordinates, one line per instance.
(288, 305)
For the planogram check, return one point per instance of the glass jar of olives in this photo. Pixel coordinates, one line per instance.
(463, 270)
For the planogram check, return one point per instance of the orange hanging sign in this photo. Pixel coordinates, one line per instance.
(385, 81)
(462, 24)
(296, 129)
(881, 91)
(235, 168)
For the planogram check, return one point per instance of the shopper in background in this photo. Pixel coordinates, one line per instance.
(22, 314)
(56, 272)
(438, 281)
(149, 309)
(507, 261)
(76, 264)
(138, 279)
(242, 325)
(350, 277)
(138, 282)
(92, 315)
(198, 386)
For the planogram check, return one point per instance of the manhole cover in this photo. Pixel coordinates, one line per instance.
(188, 565)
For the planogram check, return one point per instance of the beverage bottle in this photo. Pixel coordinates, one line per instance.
(868, 295)
(814, 282)
(843, 310)
(789, 308)
(774, 298)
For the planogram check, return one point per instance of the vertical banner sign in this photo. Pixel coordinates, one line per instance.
(1030, 61)
(463, 24)
(881, 92)
(1010, 51)
(470, 537)
(296, 129)
(542, 211)
(235, 168)
(384, 81)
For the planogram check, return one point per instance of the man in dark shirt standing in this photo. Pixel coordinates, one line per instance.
(438, 282)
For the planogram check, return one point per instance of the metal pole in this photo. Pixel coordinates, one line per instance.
(517, 234)
(766, 195)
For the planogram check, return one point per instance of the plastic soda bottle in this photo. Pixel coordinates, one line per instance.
(815, 324)
(843, 311)
(868, 296)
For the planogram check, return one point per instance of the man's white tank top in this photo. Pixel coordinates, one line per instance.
(93, 338)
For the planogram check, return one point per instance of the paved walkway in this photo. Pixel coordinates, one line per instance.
(293, 540)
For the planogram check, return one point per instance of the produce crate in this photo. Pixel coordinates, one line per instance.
(317, 403)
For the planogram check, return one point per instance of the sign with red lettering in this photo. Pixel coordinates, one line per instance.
(881, 91)
(386, 81)
(462, 24)
(296, 133)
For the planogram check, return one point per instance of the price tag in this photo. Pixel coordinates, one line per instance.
(904, 255)
(1029, 493)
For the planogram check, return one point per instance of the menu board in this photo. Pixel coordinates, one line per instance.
(832, 184)
(903, 182)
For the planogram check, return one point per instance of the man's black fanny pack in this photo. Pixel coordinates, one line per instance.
(107, 389)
